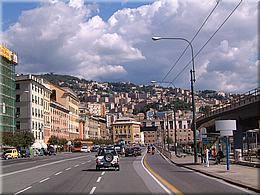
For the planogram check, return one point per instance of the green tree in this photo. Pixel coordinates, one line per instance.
(63, 141)
(53, 140)
(169, 140)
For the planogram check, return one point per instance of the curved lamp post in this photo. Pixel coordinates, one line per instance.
(192, 73)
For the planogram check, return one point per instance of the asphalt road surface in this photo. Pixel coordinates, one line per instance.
(75, 173)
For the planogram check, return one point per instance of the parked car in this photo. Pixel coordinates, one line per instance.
(50, 151)
(137, 151)
(11, 153)
(95, 148)
(106, 158)
(85, 149)
(129, 152)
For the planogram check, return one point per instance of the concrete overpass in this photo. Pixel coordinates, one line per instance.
(245, 110)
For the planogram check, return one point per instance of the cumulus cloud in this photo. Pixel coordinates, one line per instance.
(72, 38)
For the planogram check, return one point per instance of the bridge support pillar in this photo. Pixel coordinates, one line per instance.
(238, 137)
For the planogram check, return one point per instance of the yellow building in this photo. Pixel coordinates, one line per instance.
(127, 130)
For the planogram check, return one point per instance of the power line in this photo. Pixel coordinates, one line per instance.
(207, 41)
(183, 52)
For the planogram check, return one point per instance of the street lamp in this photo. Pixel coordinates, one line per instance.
(192, 73)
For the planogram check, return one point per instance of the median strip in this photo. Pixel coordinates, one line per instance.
(162, 180)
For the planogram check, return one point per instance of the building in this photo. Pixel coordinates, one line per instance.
(97, 109)
(150, 134)
(8, 61)
(64, 105)
(103, 128)
(127, 130)
(32, 101)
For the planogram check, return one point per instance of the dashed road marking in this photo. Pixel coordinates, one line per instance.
(44, 180)
(103, 173)
(58, 173)
(83, 163)
(76, 165)
(92, 190)
(67, 169)
(23, 190)
(98, 180)
(39, 166)
(89, 161)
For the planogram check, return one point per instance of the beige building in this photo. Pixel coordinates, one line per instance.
(126, 129)
(32, 106)
(66, 105)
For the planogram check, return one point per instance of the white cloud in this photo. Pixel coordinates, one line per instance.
(72, 38)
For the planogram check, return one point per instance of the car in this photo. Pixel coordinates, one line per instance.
(85, 149)
(137, 151)
(95, 148)
(120, 149)
(11, 153)
(50, 151)
(106, 158)
(129, 151)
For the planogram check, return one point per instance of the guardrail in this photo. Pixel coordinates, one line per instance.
(244, 99)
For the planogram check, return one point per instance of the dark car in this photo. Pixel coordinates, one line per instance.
(95, 148)
(119, 149)
(137, 151)
(129, 152)
(50, 151)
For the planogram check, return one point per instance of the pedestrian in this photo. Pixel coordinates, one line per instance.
(220, 155)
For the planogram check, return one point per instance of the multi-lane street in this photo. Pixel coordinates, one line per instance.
(75, 173)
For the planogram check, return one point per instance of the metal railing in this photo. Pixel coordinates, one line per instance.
(244, 99)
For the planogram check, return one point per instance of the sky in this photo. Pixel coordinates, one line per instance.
(112, 40)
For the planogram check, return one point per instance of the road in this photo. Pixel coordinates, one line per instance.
(75, 173)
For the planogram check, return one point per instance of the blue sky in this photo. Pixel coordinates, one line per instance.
(114, 44)
(12, 10)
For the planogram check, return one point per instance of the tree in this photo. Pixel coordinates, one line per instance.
(63, 142)
(53, 140)
(169, 140)
(20, 138)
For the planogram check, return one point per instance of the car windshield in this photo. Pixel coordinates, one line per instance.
(104, 151)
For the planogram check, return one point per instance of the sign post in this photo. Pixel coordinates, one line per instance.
(226, 128)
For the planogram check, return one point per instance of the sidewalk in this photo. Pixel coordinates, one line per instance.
(243, 176)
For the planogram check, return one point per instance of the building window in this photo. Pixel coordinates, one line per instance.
(18, 125)
(32, 125)
(32, 87)
(32, 98)
(17, 98)
(33, 111)
(17, 86)
(18, 111)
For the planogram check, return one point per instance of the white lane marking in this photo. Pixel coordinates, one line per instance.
(92, 190)
(155, 179)
(58, 173)
(38, 166)
(83, 163)
(76, 165)
(98, 180)
(23, 190)
(44, 180)
(89, 161)
(216, 179)
(67, 169)
(103, 173)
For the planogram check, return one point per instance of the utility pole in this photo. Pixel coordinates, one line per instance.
(175, 131)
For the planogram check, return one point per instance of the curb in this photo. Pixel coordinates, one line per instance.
(217, 177)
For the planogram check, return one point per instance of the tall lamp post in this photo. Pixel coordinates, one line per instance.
(192, 74)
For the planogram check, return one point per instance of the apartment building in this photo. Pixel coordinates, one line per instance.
(127, 130)
(8, 61)
(64, 105)
(32, 101)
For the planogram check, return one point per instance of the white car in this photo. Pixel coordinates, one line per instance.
(107, 157)
(85, 149)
